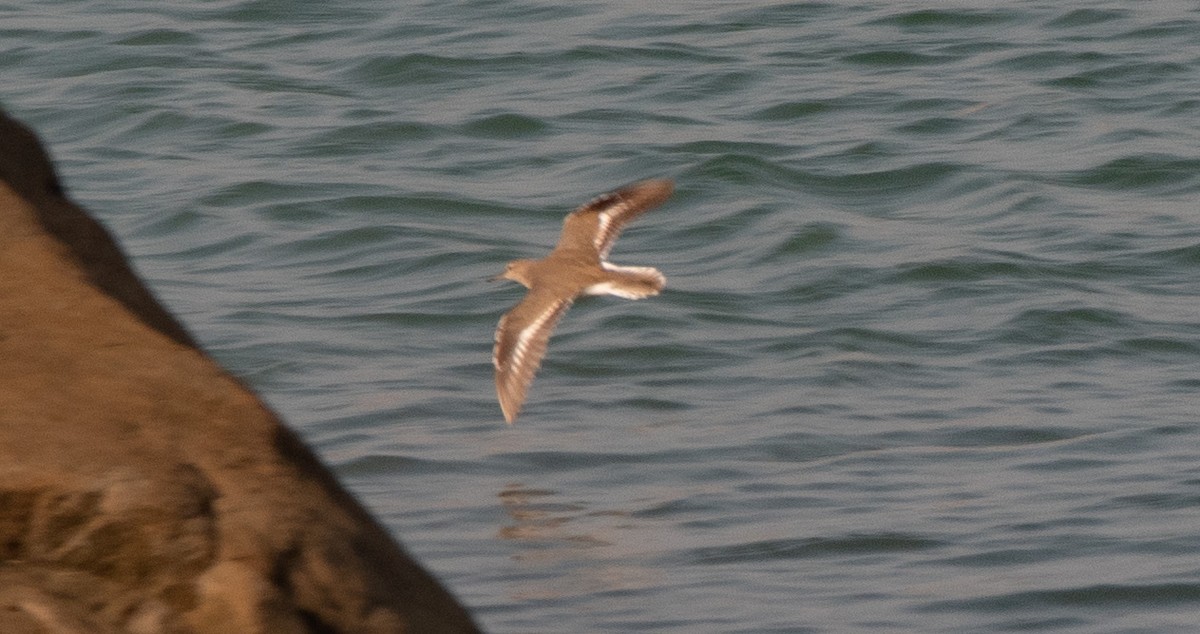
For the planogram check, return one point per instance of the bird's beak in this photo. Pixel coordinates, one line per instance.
(496, 278)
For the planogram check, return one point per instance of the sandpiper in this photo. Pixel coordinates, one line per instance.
(578, 265)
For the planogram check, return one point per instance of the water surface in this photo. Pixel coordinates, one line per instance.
(928, 356)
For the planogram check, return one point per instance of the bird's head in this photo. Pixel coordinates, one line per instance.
(517, 271)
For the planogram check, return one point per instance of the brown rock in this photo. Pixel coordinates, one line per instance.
(144, 489)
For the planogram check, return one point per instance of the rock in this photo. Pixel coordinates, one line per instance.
(144, 489)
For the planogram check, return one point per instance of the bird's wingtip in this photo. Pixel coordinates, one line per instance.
(509, 409)
(652, 192)
(664, 186)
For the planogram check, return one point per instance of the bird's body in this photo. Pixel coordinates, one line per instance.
(578, 265)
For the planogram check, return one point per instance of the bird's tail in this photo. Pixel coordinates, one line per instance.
(630, 282)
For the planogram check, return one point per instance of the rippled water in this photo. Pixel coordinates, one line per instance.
(928, 356)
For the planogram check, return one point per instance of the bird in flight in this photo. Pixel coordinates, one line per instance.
(578, 265)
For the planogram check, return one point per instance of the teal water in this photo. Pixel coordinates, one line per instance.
(929, 353)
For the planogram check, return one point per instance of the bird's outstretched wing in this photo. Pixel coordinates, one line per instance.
(521, 339)
(598, 222)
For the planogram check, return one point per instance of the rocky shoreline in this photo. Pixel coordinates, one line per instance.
(142, 487)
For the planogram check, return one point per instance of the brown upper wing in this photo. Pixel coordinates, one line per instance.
(521, 340)
(597, 223)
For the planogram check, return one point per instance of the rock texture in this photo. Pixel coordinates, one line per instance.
(142, 488)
